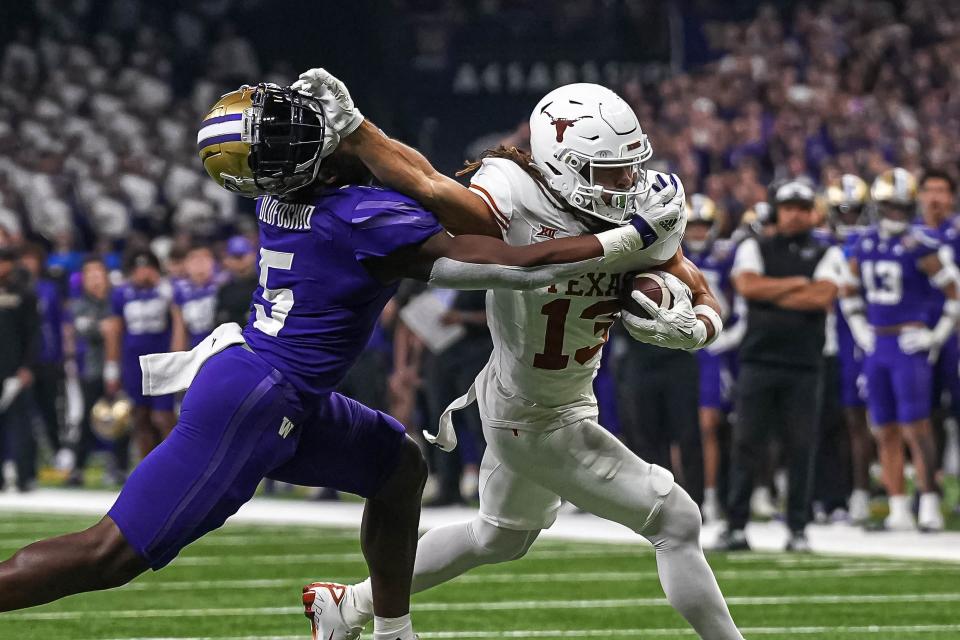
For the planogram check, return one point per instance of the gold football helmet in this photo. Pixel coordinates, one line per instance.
(262, 140)
(111, 419)
(894, 196)
(846, 201)
(701, 209)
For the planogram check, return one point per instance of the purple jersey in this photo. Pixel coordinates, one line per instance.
(715, 369)
(715, 263)
(198, 305)
(317, 305)
(895, 289)
(146, 318)
(50, 310)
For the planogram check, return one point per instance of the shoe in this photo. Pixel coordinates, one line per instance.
(901, 517)
(761, 503)
(732, 540)
(321, 605)
(859, 506)
(930, 517)
(820, 515)
(798, 543)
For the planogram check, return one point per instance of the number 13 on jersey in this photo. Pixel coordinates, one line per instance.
(552, 356)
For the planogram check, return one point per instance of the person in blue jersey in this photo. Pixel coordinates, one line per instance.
(846, 210)
(714, 257)
(937, 198)
(195, 299)
(260, 401)
(140, 324)
(899, 269)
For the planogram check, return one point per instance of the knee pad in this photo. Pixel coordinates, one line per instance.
(661, 483)
(680, 519)
(499, 544)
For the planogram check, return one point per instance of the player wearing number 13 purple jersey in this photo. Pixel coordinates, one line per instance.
(899, 273)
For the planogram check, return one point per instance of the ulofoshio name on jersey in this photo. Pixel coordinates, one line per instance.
(285, 215)
(600, 285)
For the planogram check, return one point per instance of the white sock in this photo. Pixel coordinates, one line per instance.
(393, 628)
(359, 604)
(899, 505)
(710, 494)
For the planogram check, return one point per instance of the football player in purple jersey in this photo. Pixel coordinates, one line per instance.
(140, 324)
(260, 401)
(846, 210)
(714, 258)
(195, 299)
(937, 206)
(899, 270)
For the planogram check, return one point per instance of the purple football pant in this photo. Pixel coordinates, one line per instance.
(234, 430)
(898, 384)
(713, 369)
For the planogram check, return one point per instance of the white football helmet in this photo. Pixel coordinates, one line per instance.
(579, 128)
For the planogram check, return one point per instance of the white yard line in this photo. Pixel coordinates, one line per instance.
(515, 605)
(559, 577)
(884, 630)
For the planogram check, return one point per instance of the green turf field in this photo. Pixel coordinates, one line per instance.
(244, 582)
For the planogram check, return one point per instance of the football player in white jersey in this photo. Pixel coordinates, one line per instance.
(586, 173)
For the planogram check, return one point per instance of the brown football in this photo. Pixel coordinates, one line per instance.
(652, 285)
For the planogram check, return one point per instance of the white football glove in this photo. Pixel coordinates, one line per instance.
(665, 199)
(916, 339)
(675, 328)
(342, 116)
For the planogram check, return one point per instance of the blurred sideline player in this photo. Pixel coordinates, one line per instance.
(586, 172)
(195, 299)
(937, 200)
(846, 211)
(140, 324)
(899, 270)
(261, 401)
(714, 258)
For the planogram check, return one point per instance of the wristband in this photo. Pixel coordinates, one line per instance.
(713, 317)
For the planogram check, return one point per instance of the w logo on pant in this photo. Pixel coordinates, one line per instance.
(286, 427)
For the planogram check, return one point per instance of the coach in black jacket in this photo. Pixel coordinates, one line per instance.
(19, 334)
(789, 280)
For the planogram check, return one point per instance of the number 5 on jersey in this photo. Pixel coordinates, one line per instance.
(281, 300)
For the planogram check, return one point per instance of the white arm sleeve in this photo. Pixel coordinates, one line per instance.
(747, 258)
(453, 274)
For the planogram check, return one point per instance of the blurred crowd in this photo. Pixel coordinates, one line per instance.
(101, 194)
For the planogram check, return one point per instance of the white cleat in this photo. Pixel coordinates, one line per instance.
(900, 521)
(930, 517)
(321, 604)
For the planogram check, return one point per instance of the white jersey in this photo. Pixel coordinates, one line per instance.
(547, 343)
